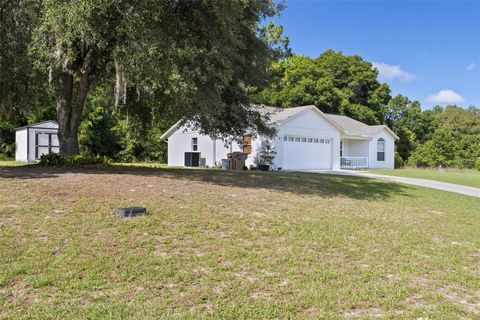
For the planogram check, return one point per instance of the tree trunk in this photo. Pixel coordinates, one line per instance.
(120, 86)
(70, 102)
(70, 110)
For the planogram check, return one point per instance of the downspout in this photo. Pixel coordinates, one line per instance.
(215, 152)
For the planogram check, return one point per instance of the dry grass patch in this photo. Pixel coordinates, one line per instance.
(232, 245)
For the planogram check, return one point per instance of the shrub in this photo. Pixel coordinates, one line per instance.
(4, 157)
(96, 134)
(7, 139)
(399, 163)
(51, 159)
(54, 160)
(477, 164)
(88, 160)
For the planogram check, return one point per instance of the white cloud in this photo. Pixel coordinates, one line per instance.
(446, 96)
(388, 72)
(471, 66)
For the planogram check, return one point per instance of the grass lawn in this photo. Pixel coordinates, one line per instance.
(12, 163)
(464, 177)
(237, 245)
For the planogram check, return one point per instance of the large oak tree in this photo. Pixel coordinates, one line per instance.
(197, 57)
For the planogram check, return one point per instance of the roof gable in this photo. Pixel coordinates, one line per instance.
(172, 130)
(290, 114)
(39, 125)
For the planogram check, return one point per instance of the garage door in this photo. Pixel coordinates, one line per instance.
(307, 153)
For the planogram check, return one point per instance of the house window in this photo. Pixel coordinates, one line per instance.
(315, 140)
(322, 141)
(381, 149)
(327, 141)
(304, 139)
(290, 139)
(285, 138)
(297, 139)
(194, 144)
(341, 148)
(247, 144)
(309, 140)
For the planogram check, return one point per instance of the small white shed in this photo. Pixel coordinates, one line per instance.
(34, 140)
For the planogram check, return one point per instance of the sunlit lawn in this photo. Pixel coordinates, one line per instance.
(12, 163)
(464, 177)
(233, 245)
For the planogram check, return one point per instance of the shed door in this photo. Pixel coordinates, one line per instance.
(45, 142)
(307, 153)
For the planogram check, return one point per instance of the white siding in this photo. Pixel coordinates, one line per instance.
(389, 162)
(355, 148)
(212, 150)
(21, 145)
(309, 124)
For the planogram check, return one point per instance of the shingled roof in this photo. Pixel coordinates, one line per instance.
(350, 127)
(277, 115)
(354, 127)
(346, 125)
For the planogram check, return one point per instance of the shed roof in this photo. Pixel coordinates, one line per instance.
(36, 125)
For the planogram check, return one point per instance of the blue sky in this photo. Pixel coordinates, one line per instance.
(426, 50)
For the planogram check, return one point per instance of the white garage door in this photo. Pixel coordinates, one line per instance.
(307, 153)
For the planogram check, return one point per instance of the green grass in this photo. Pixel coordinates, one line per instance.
(234, 245)
(463, 177)
(12, 163)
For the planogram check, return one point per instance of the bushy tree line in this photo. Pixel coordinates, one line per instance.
(454, 140)
(333, 82)
(348, 85)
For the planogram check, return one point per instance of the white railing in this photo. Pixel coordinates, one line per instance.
(353, 162)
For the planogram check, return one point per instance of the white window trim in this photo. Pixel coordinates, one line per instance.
(195, 144)
(381, 141)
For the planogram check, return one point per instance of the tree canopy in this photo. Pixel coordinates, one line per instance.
(194, 58)
(333, 82)
(454, 140)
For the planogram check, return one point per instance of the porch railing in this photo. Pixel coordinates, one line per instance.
(353, 162)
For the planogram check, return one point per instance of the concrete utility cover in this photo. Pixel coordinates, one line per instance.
(130, 212)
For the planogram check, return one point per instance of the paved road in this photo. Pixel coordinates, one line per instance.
(469, 191)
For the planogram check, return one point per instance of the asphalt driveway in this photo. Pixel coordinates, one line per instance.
(450, 187)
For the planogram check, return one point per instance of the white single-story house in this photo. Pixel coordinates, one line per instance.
(306, 139)
(36, 139)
